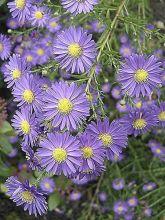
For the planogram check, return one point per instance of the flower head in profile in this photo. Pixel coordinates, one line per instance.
(160, 113)
(26, 124)
(140, 75)
(139, 121)
(60, 153)
(15, 69)
(66, 105)
(28, 94)
(23, 194)
(5, 47)
(20, 9)
(75, 50)
(77, 6)
(47, 185)
(112, 135)
(92, 152)
(39, 16)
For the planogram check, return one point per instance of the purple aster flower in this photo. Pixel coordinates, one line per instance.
(12, 23)
(129, 216)
(118, 184)
(149, 187)
(39, 16)
(41, 53)
(18, 50)
(75, 50)
(132, 202)
(47, 185)
(147, 212)
(23, 166)
(20, 9)
(66, 105)
(106, 87)
(75, 196)
(112, 135)
(121, 107)
(102, 196)
(53, 25)
(30, 57)
(120, 207)
(13, 139)
(150, 26)
(96, 26)
(13, 153)
(126, 50)
(76, 7)
(60, 153)
(25, 124)
(76, 180)
(139, 121)
(15, 69)
(28, 94)
(124, 38)
(116, 158)
(158, 151)
(27, 196)
(140, 75)
(160, 113)
(92, 152)
(5, 47)
(116, 92)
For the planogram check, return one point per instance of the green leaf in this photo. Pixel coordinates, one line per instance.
(5, 145)
(53, 201)
(2, 2)
(5, 171)
(6, 129)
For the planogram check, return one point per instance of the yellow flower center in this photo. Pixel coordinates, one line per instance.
(16, 74)
(161, 116)
(25, 126)
(87, 152)
(120, 208)
(29, 58)
(20, 3)
(74, 50)
(59, 155)
(53, 24)
(38, 15)
(138, 105)
(40, 52)
(158, 151)
(139, 123)
(28, 96)
(126, 50)
(1, 47)
(141, 76)
(132, 201)
(106, 139)
(47, 185)
(65, 106)
(27, 196)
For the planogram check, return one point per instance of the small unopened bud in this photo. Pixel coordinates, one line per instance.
(160, 25)
(122, 102)
(9, 31)
(44, 72)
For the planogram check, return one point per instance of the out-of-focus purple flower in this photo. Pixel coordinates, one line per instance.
(96, 26)
(120, 207)
(12, 23)
(116, 158)
(129, 216)
(13, 139)
(124, 38)
(75, 50)
(116, 92)
(118, 184)
(160, 113)
(27, 196)
(121, 107)
(126, 50)
(149, 187)
(132, 202)
(41, 53)
(53, 25)
(5, 47)
(102, 196)
(47, 185)
(147, 212)
(13, 153)
(23, 166)
(150, 27)
(75, 196)
(106, 87)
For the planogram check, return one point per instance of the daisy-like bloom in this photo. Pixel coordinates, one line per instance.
(25, 124)
(15, 69)
(28, 94)
(106, 87)
(53, 25)
(79, 6)
(158, 151)
(41, 53)
(12, 23)
(116, 158)
(60, 153)
(120, 207)
(139, 121)
(47, 185)
(160, 113)
(126, 50)
(118, 184)
(92, 152)
(116, 92)
(20, 9)
(75, 196)
(66, 105)
(147, 212)
(96, 26)
(149, 187)
(132, 202)
(112, 135)
(30, 57)
(39, 16)
(5, 47)
(121, 107)
(26, 195)
(140, 75)
(75, 50)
